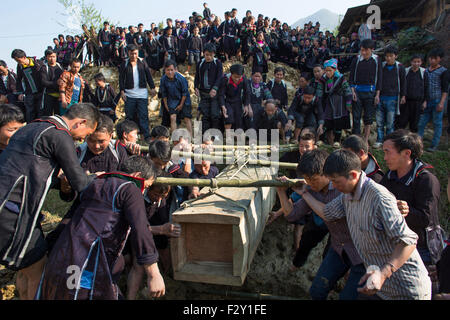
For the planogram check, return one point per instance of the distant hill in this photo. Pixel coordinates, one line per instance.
(328, 20)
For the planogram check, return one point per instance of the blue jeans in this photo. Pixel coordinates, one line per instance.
(428, 114)
(385, 117)
(332, 269)
(137, 110)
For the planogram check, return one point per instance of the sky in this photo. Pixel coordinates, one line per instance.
(34, 24)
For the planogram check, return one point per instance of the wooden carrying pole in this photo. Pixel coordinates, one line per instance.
(229, 160)
(265, 148)
(222, 183)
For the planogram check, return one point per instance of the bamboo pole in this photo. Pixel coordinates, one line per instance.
(222, 183)
(280, 148)
(229, 160)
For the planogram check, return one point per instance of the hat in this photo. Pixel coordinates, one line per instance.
(333, 63)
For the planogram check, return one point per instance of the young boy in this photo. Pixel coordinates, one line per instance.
(269, 118)
(365, 80)
(436, 96)
(100, 153)
(318, 72)
(306, 111)
(208, 74)
(105, 99)
(7, 84)
(50, 73)
(11, 120)
(303, 82)
(160, 153)
(169, 45)
(160, 133)
(416, 82)
(158, 210)
(229, 30)
(278, 88)
(28, 74)
(71, 86)
(127, 134)
(203, 170)
(392, 94)
(195, 48)
(111, 210)
(175, 96)
(369, 164)
(342, 255)
(234, 98)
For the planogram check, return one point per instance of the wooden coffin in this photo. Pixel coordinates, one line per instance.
(221, 231)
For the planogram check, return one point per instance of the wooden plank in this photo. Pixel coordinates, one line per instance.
(206, 217)
(208, 242)
(219, 274)
(178, 250)
(240, 248)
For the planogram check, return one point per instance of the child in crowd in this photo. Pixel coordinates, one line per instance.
(100, 153)
(175, 96)
(11, 120)
(278, 88)
(416, 86)
(306, 111)
(365, 81)
(234, 98)
(195, 48)
(105, 98)
(436, 97)
(392, 95)
(208, 74)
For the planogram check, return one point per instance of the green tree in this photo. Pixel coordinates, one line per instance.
(79, 12)
(161, 25)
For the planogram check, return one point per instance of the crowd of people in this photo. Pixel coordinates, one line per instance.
(384, 234)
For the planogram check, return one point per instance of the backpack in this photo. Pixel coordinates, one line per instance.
(203, 61)
(271, 83)
(422, 72)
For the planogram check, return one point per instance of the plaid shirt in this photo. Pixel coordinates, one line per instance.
(376, 227)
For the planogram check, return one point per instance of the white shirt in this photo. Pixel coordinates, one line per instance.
(136, 92)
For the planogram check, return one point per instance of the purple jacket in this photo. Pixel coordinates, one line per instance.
(111, 209)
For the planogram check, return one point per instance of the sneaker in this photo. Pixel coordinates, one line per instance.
(432, 149)
(377, 145)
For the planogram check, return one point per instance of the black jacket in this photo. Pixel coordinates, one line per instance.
(50, 76)
(391, 79)
(29, 167)
(126, 75)
(421, 190)
(31, 81)
(10, 87)
(215, 74)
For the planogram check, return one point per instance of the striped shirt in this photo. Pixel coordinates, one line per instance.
(340, 236)
(376, 227)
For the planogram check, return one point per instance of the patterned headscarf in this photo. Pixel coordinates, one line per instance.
(333, 63)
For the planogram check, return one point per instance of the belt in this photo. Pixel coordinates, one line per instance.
(364, 87)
